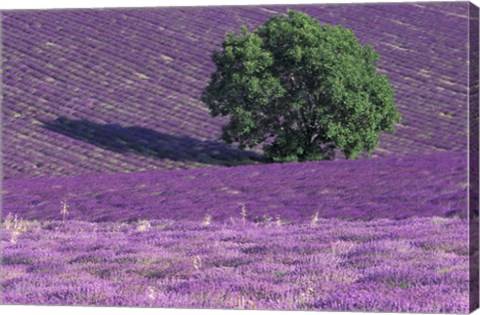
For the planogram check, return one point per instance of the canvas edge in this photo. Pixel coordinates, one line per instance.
(1, 148)
(473, 154)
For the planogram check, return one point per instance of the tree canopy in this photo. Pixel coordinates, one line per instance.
(300, 89)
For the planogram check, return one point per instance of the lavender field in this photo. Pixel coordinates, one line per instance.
(419, 186)
(342, 235)
(417, 264)
(116, 189)
(118, 91)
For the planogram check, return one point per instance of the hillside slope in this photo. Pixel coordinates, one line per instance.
(117, 90)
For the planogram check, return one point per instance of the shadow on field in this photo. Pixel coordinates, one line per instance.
(151, 143)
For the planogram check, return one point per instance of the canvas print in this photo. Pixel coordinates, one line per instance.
(279, 157)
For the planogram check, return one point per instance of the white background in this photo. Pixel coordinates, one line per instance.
(48, 4)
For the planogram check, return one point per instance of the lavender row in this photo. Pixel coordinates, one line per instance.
(400, 187)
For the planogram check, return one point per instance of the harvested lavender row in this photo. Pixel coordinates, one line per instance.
(412, 265)
(400, 187)
(108, 91)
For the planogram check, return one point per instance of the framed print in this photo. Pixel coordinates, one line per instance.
(319, 157)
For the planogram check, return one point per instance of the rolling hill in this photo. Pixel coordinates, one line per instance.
(117, 90)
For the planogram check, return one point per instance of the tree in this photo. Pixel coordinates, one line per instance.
(301, 89)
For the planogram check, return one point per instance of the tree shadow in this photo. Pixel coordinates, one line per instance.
(151, 143)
